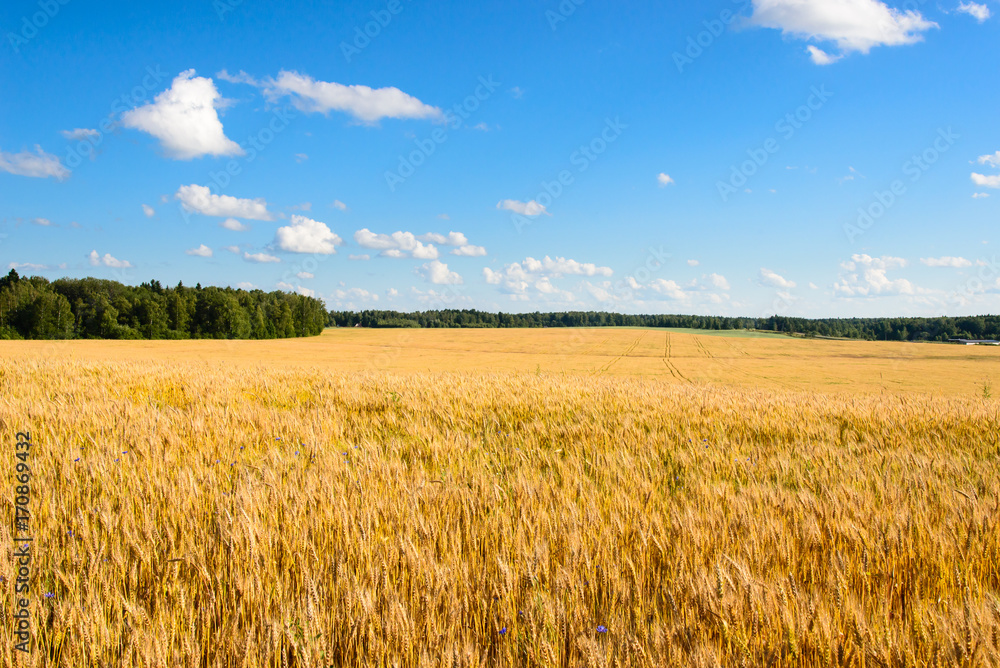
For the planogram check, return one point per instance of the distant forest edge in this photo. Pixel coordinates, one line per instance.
(871, 329)
(91, 308)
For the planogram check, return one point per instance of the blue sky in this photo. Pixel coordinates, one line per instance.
(800, 157)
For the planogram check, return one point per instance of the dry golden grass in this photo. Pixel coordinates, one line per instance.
(798, 364)
(407, 518)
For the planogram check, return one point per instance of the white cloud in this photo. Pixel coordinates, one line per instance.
(306, 292)
(437, 272)
(866, 277)
(260, 258)
(664, 179)
(946, 261)
(356, 293)
(362, 102)
(304, 275)
(531, 208)
(821, 57)
(301, 157)
(200, 251)
(975, 10)
(306, 235)
(340, 206)
(232, 249)
(246, 285)
(185, 119)
(768, 277)
(287, 287)
(359, 257)
(669, 289)
(38, 164)
(444, 216)
(980, 195)
(199, 199)
(80, 134)
(30, 266)
(517, 277)
(693, 263)
(469, 251)
(392, 292)
(718, 281)
(813, 286)
(453, 239)
(44, 222)
(107, 260)
(986, 181)
(993, 160)
(396, 245)
(854, 25)
(234, 225)
(148, 210)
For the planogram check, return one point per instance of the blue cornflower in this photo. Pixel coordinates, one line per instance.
(241, 447)
(296, 452)
(277, 438)
(503, 631)
(602, 629)
(77, 459)
(124, 452)
(116, 460)
(49, 594)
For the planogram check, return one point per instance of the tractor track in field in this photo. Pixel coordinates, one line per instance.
(605, 367)
(671, 367)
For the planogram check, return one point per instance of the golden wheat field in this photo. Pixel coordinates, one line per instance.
(506, 498)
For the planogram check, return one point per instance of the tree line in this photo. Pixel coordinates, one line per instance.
(871, 329)
(91, 308)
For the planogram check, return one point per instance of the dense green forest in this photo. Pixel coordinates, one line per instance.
(90, 308)
(874, 329)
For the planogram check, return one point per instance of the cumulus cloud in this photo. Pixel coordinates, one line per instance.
(246, 285)
(437, 272)
(304, 275)
(452, 239)
(469, 251)
(531, 208)
(43, 222)
(717, 281)
(986, 181)
(693, 263)
(359, 294)
(38, 164)
(518, 277)
(200, 251)
(664, 179)
(338, 205)
(975, 10)
(148, 210)
(770, 278)
(260, 258)
(993, 159)
(821, 57)
(185, 119)
(980, 195)
(306, 235)
(199, 199)
(234, 225)
(853, 25)
(946, 261)
(865, 276)
(366, 104)
(396, 245)
(107, 260)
